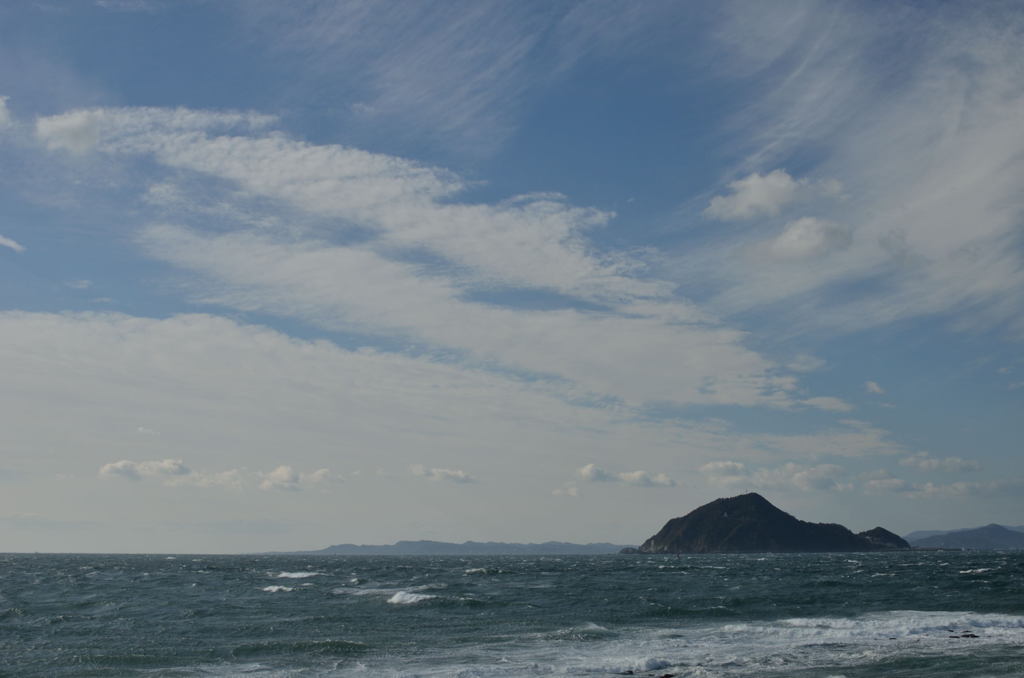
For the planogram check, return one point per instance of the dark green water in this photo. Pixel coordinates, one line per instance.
(898, 615)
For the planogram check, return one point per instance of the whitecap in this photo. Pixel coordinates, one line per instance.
(406, 598)
(978, 570)
(298, 575)
(276, 589)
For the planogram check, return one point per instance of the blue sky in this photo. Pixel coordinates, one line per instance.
(275, 276)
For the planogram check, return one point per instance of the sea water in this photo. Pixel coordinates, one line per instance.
(898, 615)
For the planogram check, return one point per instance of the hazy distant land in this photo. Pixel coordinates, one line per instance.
(746, 523)
(979, 538)
(468, 548)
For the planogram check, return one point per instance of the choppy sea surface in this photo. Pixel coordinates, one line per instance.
(898, 615)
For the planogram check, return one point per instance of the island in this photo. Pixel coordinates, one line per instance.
(989, 537)
(749, 523)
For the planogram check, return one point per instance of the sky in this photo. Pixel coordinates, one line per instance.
(275, 276)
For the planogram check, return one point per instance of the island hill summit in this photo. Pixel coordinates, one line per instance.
(750, 523)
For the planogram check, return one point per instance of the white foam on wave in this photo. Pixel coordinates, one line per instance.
(299, 575)
(383, 591)
(407, 598)
(904, 624)
(276, 589)
(977, 570)
(828, 646)
(756, 648)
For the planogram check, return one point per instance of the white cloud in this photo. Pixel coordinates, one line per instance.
(829, 404)
(76, 132)
(873, 387)
(173, 473)
(568, 490)
(819, 477)
(231, 396)
(233, 479)
(11, 244)
(645, 479)
(925, 462)
(286, 478)
(730, 474)
(137, 470)
(452, 475)
(1009, 487)
(347, 289)
(754, 195)
(82, 130)
(530, 242)
(882, 481)
(724, 468)
(593, 473)
(79, 284)
(534, 241)
(130, 5)
(852, 439)
(5, 114)
(809, 237)
(806, 363)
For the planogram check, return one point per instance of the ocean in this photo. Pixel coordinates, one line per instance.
(897, 615)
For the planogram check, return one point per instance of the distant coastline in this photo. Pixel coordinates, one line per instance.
(468, 548)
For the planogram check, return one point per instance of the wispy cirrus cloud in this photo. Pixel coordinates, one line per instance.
(927, 208)
(11, 244)
(463, 74)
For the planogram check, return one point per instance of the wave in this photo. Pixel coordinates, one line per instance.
(407, 598)
(299, 575)
(276, 589)
(896, 625)
(584, 632)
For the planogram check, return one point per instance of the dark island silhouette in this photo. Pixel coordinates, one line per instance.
(750, 523)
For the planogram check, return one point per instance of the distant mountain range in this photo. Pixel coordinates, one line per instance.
(469, 548)
(988, 537)
(750, 523)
